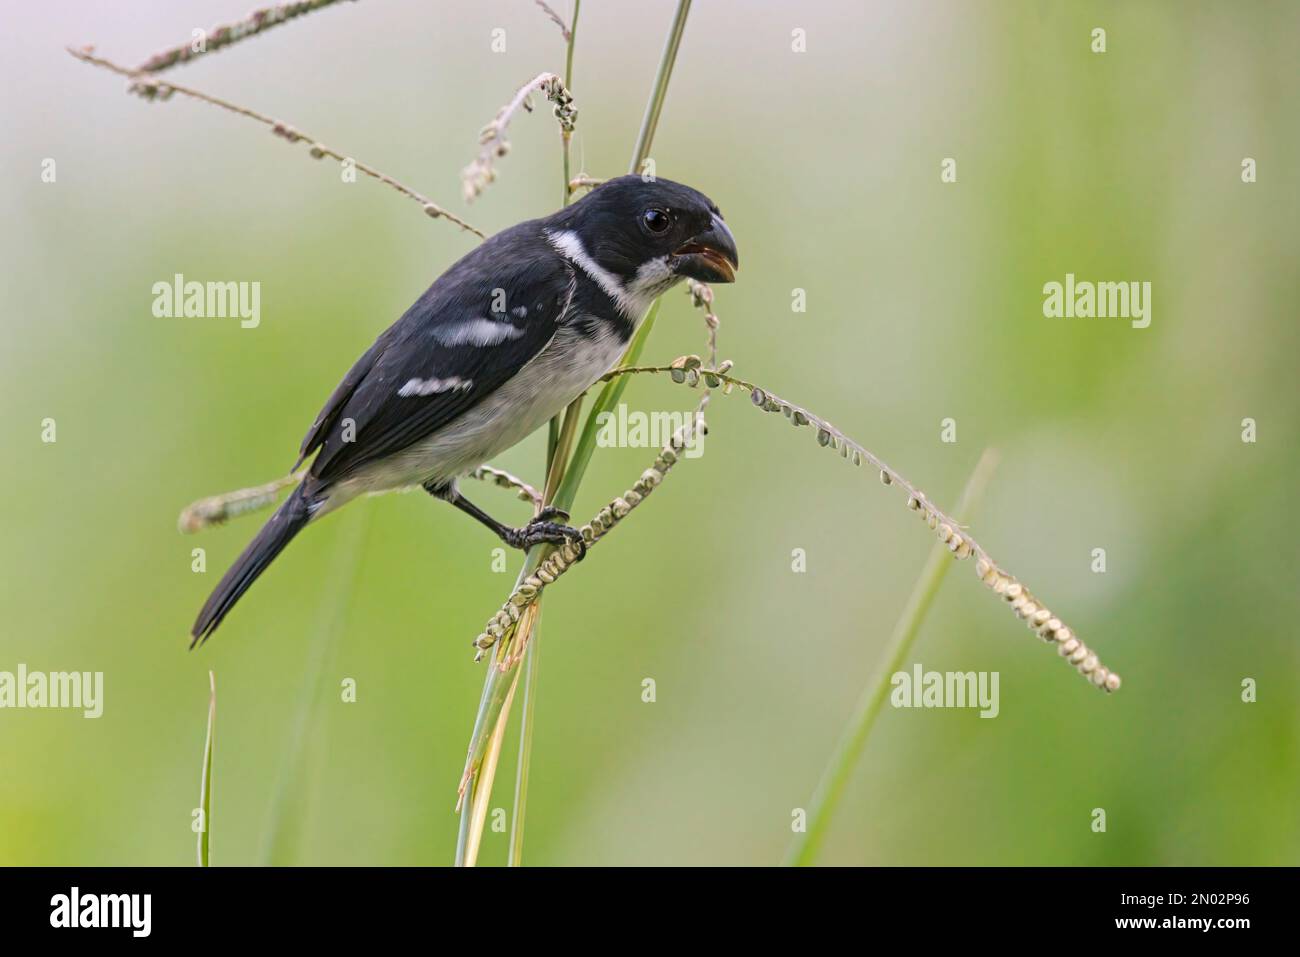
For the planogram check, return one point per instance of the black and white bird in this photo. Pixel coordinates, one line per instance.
(500, 343)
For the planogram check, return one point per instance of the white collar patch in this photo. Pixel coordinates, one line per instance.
(571, 248)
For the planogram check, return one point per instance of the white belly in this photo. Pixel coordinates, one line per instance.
(552, 379)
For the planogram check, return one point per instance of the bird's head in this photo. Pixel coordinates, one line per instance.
(646, 236)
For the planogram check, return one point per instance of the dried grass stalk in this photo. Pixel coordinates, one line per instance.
(220, 37)
(583, 182)
(1025, 605)
(218, 509)
(503, 479)
(557, 20)
(492, 140)
(151, 88)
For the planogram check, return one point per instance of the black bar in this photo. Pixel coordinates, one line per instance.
(188, 905)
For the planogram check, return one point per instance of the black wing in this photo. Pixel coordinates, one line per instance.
(469, 334)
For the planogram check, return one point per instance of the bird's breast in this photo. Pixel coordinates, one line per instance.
(575, 358)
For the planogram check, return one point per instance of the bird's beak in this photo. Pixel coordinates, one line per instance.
(709, 256)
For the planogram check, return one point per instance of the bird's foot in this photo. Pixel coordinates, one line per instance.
(542, 530)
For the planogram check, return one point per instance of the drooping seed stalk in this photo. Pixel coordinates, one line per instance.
(220, 37)
(962, 545)
(493, 144)
(151, 88)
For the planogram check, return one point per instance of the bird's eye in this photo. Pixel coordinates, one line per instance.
(656, 220)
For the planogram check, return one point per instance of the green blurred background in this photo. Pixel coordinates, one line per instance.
(924, 302)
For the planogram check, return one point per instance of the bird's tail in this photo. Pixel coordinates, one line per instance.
(287, 521)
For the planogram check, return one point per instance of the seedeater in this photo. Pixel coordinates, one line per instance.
(501, 342)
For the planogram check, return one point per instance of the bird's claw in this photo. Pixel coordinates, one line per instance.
(540, 531)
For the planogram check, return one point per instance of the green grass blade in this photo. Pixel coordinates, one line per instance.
(653, 108)
(205, 782)
(290, 800)
(803, 851)
(526, 724)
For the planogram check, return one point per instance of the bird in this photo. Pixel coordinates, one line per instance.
(500, 343)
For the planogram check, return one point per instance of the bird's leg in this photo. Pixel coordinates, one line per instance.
(540, 530)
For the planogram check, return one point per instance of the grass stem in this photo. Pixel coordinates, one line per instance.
(531, 650)
(566, 135)
(494, 705)
(656, 104)
(529, 638)
(835, 778)
(527, 723)
(291, 798)
(478, 807)
(205, 782)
